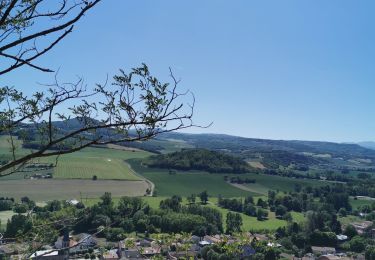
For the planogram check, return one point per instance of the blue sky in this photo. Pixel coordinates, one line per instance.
(265, 69)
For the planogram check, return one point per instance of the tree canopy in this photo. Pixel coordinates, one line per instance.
(200, 159)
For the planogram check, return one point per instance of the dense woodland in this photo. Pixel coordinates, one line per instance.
(201, 160)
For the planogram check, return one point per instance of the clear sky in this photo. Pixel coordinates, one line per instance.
(265, 69)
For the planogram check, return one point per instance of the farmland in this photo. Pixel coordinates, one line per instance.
(72, 176)
(49, 189)
(271, 182)
(86, 167)
(104, 163)
(185, 183)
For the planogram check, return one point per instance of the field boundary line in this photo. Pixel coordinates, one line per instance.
(151, 185)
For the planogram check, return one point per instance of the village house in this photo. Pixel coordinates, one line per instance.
(111, 255)
(308, 256)
(260, 237)
(47, 255)
(362, 227)
(317, 250)
(212, 239)
(333, 257)
(130, 254)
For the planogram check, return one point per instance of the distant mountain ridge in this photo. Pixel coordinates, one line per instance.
(241, 144)
(271, 152)
(368, 145)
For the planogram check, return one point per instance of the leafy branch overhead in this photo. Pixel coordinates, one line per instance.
(134, 107)
(31, 28)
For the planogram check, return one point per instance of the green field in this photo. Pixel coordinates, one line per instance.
(271, 182)
(356, 203)
(4, 216)
(249, 223)
(105, 163)
(50, 189)
(186, 183)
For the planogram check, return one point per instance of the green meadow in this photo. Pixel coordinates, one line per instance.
(249, 223)
(184, 183)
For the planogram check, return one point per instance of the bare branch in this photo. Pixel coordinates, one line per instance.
(136, 107)
(18, 38)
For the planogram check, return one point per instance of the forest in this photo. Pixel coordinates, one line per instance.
(199, 159)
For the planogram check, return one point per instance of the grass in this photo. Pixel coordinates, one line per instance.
(249, 223)
(49, 189)
(4, 216)
(186, 183)
(271, 182)
(349, 220)
(87, 167)
(356, 203)
(271, 224)
(105, 163)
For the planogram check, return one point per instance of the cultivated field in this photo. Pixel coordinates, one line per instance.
(185, 183)
(271, 182)
(87, 167)
(49, 189)
(108, 164)
(105, 163)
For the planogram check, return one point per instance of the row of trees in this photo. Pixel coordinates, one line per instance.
(247, 206)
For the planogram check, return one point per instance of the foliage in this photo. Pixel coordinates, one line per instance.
(204, 197)
(350, 231)
(201, 160)
(357, 244)
(370, 253)
(19, 224)
(234, 222)
(148, 108)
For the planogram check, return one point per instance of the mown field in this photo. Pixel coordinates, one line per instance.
(185, 183)
(356, 203)
(271, 182)
(104, 163)
(72, 177)
(49, 189)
